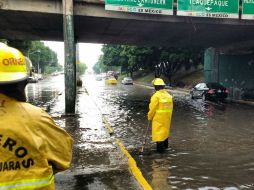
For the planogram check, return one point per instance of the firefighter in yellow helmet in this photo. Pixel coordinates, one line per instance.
(160, 113)
(32, 147)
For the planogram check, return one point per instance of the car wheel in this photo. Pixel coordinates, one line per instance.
(191, 95)
(203, 97)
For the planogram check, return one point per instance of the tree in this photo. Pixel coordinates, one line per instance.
(130, 58)
(21, 45)
(161, 60)
(99, 67)
(82, 68)
(174, 59)
(45, 58)
(42, 57)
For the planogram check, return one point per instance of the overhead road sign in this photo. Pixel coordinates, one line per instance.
(248, 9)
(163, 7)
(208, 8)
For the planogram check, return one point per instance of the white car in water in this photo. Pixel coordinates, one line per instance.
(127, 80)
(32, 79)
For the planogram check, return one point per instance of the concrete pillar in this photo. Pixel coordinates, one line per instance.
(211, 65)
(79, 81)
(70, 61)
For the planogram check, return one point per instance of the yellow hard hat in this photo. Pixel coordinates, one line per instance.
(158, 82)
(13, 67)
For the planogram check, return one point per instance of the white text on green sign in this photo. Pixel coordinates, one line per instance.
(208, 8)
(248, 9)
(141, 6)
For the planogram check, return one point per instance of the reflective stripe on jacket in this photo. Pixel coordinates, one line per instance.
(160, 113)
(32, 147)
(28, 184)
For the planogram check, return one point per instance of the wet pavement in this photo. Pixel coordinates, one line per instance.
(98, 164)
(211, 144)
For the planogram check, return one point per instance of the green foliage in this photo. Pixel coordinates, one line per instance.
(51, 69)
(21, 45)
(82, 68)
(130, 58)
(163, 61)
(99, 67)
(42, 57)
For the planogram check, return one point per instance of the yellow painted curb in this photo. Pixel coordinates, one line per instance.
(134, 168)
(107, 125)
(135, 171)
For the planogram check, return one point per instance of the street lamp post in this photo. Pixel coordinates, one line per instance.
(36, 51)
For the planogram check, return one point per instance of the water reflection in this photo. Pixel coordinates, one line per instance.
(160, 174)
(211, 145)
(45, 91)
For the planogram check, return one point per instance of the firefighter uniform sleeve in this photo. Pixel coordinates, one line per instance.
(58, 144)
(152, 107)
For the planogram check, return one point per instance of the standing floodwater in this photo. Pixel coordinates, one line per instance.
(211, 145)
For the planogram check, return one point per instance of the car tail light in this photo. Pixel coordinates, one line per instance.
(211, 91)
(226, 91)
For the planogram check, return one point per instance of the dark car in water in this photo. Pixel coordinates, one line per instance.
(209, 91)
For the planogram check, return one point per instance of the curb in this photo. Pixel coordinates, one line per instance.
(134, 170)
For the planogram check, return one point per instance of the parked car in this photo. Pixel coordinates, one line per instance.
(127, 80)
(209, 91)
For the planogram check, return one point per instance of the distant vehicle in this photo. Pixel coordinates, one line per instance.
(112, 74)
(98, 78)
(32, 79)
(209, 91)
(39, 76)
(111, 80)
(55, 74)
(127, 80)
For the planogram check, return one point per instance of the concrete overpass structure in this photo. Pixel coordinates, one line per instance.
(43, 20)
(87, 21)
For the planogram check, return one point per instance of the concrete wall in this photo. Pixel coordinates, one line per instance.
(211, 65)
(236, 72)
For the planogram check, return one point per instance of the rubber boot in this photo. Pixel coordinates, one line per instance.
(166, 143)
(160, 147)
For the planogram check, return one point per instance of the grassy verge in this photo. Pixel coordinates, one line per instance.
(189, 80)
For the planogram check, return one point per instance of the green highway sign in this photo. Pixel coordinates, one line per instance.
(163, 7)
(208, 8)
(248, 9)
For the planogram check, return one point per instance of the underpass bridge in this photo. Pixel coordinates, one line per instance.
(87, 21)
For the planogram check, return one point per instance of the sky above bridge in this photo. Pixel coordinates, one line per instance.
(89, 53)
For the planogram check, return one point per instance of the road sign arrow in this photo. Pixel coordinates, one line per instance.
(208, 8)
(140, 5)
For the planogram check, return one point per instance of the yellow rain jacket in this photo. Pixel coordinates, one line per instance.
(32, 147)
(160, 112)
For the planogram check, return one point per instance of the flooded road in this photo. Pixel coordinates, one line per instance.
(211, 145)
